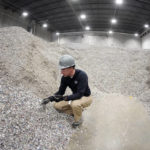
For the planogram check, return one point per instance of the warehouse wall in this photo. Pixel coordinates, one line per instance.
(43, 33)
(9, 18)
(100, 39)
(146, 42)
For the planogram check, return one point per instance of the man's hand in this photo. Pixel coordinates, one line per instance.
(56, 98)
(45, 101)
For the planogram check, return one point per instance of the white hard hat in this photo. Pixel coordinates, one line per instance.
(66, 61)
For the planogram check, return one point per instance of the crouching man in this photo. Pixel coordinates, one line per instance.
(77, 81)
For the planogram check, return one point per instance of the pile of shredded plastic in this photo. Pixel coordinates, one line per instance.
(29, 72)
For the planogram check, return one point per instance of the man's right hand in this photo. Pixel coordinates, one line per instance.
(55, 98)
(45, 101)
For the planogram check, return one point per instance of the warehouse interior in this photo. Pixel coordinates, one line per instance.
(109, 40)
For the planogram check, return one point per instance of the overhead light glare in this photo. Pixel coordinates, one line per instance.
(146, 25)
(110, 32)
(83, 16)
(87, 28)
(119, 2)
(113, 21)
(136, 34)
(74, 0)
(57, 33)
(45, 25)
(25, 14)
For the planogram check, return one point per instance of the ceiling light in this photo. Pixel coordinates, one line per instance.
(74, 0)
(113, 21)
(45, 25)
(119, 2)
(87, 28)
(146, 26)
(83, 16)
(110, 32)
(136, 34)
(57, 33)
(25, 14)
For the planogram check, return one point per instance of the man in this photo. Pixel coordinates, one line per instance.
(77, 81)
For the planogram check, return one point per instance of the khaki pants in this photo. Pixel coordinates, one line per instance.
(75, 108)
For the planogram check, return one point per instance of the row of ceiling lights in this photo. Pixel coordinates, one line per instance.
(114, 21)
(44, 25)
(26, 14)
(83, 17)
(145, 26)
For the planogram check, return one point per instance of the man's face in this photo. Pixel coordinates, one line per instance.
(66, 72)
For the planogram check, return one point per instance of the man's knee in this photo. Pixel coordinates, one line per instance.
(75, 104)
(57, 106)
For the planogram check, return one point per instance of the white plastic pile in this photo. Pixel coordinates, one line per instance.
(29, 72)
(24, 125)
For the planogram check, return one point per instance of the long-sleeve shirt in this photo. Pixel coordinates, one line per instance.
(78, 84)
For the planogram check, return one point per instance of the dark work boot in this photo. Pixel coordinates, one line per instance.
(77, 123)
(72, 115)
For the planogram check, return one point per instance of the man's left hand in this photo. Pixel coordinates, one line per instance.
(59, 98)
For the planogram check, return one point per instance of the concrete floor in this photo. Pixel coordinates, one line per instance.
(113, 122)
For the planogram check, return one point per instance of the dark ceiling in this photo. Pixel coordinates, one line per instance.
(63, 15)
